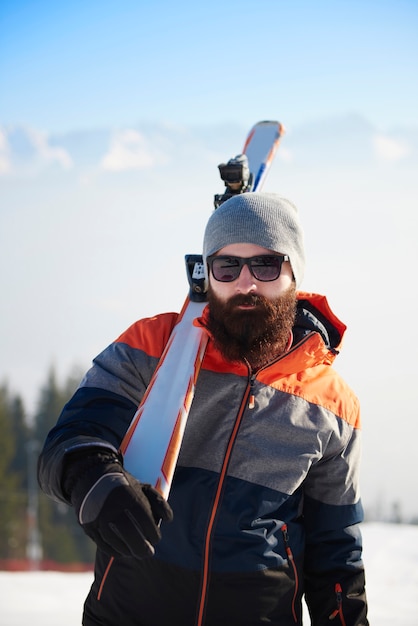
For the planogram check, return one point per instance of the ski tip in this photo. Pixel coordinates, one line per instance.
(274, 124)
(270, 123)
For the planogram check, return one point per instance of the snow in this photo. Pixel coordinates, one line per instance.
(390, 556)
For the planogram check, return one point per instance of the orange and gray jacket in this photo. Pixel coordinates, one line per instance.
(265, 495)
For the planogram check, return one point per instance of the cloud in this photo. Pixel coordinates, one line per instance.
(389, 149)
(47, 152)
(28, 151)
(285, 155)
(131, 150)
(5, 162)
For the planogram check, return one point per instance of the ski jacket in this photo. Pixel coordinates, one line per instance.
(265, 494)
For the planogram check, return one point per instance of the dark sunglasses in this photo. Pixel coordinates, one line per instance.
(265, 267)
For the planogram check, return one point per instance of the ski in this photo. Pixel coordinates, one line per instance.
(152, 443)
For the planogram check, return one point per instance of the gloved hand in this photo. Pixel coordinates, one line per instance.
(119, 513)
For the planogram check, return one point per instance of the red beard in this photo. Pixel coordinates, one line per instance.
(258, 335)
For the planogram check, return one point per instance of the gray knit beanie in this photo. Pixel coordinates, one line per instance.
(266, 220)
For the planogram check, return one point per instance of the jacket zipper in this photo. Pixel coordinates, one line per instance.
(107, 570)
(293, 565)
(248, 400)
(339, 609)
(215, 506)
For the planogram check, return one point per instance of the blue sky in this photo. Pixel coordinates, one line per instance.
(113, 119)
(86, 64)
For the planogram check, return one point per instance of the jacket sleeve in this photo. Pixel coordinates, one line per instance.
(333, 568)
(100, 412)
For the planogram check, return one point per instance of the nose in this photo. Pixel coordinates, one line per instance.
(246, 282)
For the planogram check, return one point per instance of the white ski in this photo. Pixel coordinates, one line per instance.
(152, 442)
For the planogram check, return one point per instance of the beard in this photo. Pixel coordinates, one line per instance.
(258, 335)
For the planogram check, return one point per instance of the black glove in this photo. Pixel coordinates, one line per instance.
(119, 513)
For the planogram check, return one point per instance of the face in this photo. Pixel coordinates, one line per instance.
(246, 283)
(251, 320)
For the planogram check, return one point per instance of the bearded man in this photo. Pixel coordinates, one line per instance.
(264, 507)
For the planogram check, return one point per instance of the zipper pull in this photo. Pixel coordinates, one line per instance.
(292, 564)
(339, 609)
(251, 398)
(286, 542)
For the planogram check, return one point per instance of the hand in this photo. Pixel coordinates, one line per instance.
(119, 513)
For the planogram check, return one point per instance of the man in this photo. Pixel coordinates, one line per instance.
(264, 505)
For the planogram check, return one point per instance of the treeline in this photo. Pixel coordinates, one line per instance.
(32, 526)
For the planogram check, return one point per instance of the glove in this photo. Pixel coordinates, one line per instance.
(119, 513)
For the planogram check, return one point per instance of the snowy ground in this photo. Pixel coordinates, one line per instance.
(390, 555)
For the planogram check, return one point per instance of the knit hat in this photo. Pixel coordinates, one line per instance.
(266, 220)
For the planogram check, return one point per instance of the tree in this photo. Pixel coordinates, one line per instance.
(62, 538)
(13, 498)
(21, 433)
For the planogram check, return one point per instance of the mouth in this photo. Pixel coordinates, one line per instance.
(246, 307)
(247, 303)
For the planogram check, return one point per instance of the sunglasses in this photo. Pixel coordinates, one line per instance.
(264, 267)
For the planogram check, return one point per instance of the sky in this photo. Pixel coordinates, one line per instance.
(113, 119)
(79, 65)
(46, 598)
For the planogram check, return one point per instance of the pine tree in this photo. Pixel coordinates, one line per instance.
(22, 434)
(62, 538)
(13, 498)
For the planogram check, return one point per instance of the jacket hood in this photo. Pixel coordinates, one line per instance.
(315, 314)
